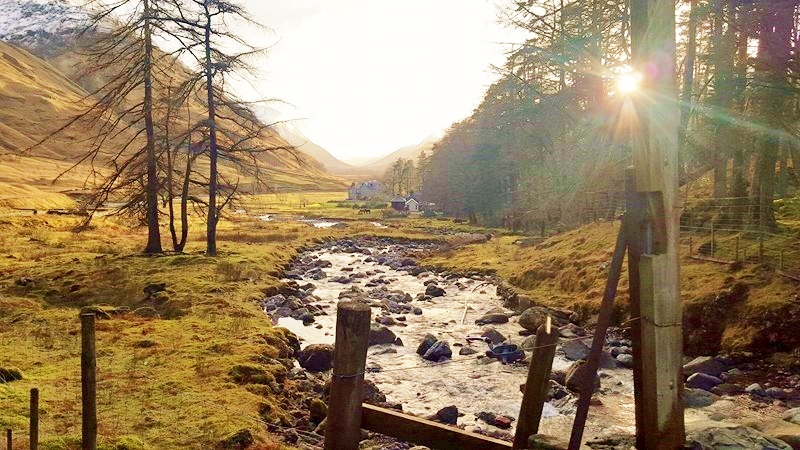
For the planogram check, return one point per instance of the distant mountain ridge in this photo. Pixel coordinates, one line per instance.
(408, 152)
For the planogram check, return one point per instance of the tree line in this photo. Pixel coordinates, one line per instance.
(556, 124)
(163, 117)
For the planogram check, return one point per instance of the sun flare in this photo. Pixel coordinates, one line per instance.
(628, 83)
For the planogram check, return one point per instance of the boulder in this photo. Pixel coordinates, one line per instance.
(434, 291)
(467, 350)
(427, 342)
(379, 334)
(708, 365)
(439, 350)
(492, 318)
(532, 318)
(793, 416)
(709, 435)
(702, 381)
(529, 344)
(524, 302)
(576, 373)
(755, 389)
(447, 415)
(575, 350)
(316, 357)
(544, 442)
(625, 360)
(495, 337)
(698, 398)
(781, 430)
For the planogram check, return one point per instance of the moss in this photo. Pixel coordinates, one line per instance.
(250, 373)
(239, 440)
(9, 374)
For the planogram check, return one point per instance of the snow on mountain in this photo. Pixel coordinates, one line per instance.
(40, 26)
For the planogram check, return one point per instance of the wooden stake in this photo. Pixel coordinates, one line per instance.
(343, 430)
(34, 425)
(593, 363)
(8, 439)
(537, 384)
(88, 383)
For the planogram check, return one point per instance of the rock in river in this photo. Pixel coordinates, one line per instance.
(439, 350)
(492, 318)
(316, 357)
(427, 342)
(379, 334)
(434, 291)
(532, 318)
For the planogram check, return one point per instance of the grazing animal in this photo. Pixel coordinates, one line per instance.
(364, 211)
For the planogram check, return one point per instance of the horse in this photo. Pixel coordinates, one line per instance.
(364, 211)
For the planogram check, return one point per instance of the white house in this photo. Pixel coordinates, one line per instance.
(367, 190)
(412, 205)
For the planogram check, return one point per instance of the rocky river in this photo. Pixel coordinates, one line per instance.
(430, 336)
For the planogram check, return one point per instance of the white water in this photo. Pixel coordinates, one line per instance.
(423, 387)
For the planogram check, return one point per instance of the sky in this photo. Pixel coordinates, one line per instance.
(369, 76)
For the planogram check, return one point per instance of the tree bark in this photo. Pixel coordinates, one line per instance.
(211, 225)
(153, 230)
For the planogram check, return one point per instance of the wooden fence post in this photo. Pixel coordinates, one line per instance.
(343, 430)
(8, 439)
(713, 240)
(88, 383)
(34, 430)
(536, 385)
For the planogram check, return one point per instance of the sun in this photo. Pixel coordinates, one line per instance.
(628, 83)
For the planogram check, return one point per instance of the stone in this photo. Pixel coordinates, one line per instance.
(447, 415)
(495, 337)
(529, 344)
(439, 350)
(427, 342)
(777, 393)
(495, 420)
(544, 442)
(524, 302)
(316, 357)
(755, 389)
(782, 430)
(379, 334)
(416, 311)
(702, 381)
(575, 375)
(625, 360)
(575, 350)
(467, 350)
(318, 410)
(434, 291)
(727, 389)
(708, 365)
(532, 318)
(387, 320)
(793, 416)
(698, 398)
(240, 440)
(492, 318)
(709, 435)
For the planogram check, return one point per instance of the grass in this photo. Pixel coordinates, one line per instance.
(193, 364)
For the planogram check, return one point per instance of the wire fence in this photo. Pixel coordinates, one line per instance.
(724, 230)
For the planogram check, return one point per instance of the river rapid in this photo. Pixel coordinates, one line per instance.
(473, 383)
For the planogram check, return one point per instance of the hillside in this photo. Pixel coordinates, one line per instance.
(407, 152)
(41, 87)
(328, 162)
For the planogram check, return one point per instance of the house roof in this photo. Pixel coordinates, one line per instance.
(398, 200)
(412, 199)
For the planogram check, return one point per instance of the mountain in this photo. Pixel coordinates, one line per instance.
(42, 86)
(407, 152)
(296, 138)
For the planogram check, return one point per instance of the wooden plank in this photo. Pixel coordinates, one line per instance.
(343, 430)
(425, 432)
(537, 384)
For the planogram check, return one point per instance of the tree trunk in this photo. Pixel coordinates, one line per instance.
(739, 21)
(153, 230)
(211, 224)
(688, 90)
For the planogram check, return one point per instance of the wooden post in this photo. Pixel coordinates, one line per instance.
(713, 240)
(536, 385)
(8, 439)
(88, 383)
(343, 430)
(34, 430)
(655, 160)
(593, 362)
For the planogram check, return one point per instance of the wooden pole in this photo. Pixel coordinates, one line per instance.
(713, 240)
(537, 384)
(8, 439)
(88, 383)
(343, 430)
(593, 362)
(34, 430)
(655, 160)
